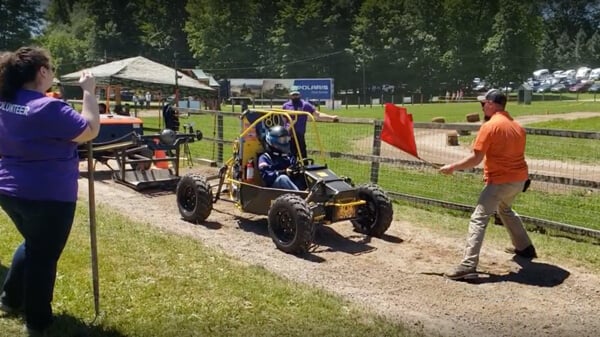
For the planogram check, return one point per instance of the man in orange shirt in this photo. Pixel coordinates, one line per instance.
(501, 141)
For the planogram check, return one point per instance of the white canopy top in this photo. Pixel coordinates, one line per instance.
(135, 69)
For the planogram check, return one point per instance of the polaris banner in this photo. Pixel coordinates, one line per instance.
(318, 89)
(279, 88)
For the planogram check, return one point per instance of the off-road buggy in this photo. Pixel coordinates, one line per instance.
(292, 215)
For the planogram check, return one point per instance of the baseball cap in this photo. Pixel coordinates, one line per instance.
(294, 92)
(493, 95)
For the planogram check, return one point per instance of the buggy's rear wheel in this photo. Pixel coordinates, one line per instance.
(374, 217)
(194, 198)
(290, 224)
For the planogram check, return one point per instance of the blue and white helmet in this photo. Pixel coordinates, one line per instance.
(278, 138)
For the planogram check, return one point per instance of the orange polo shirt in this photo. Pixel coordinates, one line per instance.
(502, 140)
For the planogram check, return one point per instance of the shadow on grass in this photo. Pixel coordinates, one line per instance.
(68, 326)
(531, 273)
(64, 325)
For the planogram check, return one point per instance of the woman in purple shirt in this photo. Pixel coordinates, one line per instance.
(39, 168)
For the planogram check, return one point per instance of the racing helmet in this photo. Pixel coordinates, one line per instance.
(278, 139)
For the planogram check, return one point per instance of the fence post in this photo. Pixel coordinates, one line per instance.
(219, 138)
(377, 126)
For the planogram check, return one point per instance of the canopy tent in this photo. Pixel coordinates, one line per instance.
(137, 72)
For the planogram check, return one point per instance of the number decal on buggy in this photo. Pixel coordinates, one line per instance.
(271, 121)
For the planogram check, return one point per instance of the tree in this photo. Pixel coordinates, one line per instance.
(220, 35)
(71, 44)
(59, 11)
(547, 52)
(310, 38)
(162, 32)
(593, 49)
(19, 22)
(580, 55)
(467, 25)
(382, 45)
(570, 16)
(511, 51)
(564, 51)
(116, 34)
(424, 67)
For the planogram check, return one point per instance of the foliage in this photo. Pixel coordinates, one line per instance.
(416, 46)
(19, 21)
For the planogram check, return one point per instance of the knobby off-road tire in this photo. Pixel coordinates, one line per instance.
(290, 224)
(374, 217)
(194, 198)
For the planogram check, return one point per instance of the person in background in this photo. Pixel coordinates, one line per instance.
(148, 99)
(298, 104)
(39, 169)
(102, 108)
(501, 141)
(118, 110)
(274, 165)
(126, 109)
(171, 116)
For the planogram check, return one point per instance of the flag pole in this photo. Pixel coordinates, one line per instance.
(434, 165)
(93, 241)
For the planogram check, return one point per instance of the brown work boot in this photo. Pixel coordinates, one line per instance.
(461, 272)
(527, 253)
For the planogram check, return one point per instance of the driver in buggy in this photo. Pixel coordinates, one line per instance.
(276, 165)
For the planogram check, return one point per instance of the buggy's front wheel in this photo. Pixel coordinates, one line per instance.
(290, 224)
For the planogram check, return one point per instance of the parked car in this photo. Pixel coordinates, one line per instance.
(544, 87)
(580, 87)
(558, 88)
(594, 88)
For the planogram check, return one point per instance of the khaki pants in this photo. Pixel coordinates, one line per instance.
(495, 198)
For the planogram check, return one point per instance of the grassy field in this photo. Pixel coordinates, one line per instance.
(561, 148)
(456, 112)
(463, 188)
(154, 283)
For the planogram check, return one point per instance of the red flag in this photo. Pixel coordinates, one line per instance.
(398, 129)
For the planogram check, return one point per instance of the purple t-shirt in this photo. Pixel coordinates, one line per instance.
(39, 160)
(301, 105)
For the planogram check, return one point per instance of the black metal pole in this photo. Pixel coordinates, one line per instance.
(93, 240)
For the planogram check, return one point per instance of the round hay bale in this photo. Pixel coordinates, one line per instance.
(452, 138)
(472, 118)
(438, 120)
(464, 132)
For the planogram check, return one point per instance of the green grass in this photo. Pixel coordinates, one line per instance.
(561, 148)
(456, 112)
(586, 151)
(463, 188)
(154, 283)
(581, 124)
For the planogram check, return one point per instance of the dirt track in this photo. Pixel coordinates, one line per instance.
(398, 276)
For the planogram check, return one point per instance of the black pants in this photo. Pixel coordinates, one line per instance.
(302, 143)
(45, 226)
